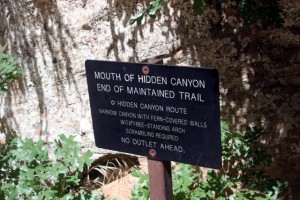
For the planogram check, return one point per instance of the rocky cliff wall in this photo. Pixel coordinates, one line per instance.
(259, 68)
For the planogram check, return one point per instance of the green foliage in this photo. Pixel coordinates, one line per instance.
(185, 177)
(241, 177)
(266, 12)
(141, 190)
(8, 70)
(27, 172)
(156, 5)
(150, 11)
(199, 6)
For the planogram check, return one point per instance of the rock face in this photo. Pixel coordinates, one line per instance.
(259, 68)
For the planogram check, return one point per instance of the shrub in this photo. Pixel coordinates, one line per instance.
(242, 176)
(27, 172)
(8, 70)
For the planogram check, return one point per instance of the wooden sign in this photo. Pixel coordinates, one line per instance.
(163, 112)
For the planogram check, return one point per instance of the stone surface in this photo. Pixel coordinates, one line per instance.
(259, 69)
(121, 188)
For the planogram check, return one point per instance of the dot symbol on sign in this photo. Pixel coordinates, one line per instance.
(113, 102)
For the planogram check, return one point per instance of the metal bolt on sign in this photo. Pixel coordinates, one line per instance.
(145, 70)
(152, 152)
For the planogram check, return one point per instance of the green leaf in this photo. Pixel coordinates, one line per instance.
(155, 6)
(199, 6)
(8, 70)
(150, 11)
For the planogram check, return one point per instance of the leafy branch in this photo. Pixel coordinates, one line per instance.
(156, 5)
(266, 12)
(151, 12)
(8, 69)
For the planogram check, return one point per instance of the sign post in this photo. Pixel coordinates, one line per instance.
(160, 179)
(167, 113)
(160, 174)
